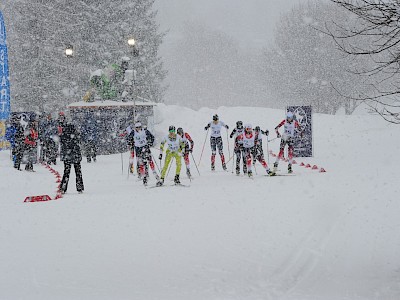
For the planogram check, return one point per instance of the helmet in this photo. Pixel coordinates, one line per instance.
(179, 131)
(215, 117)
(171, 128)
(239, 124)
(257, 128)
(289, 116)
(248, 127)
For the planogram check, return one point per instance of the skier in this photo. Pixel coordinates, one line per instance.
(258, 150)
(238, 149)
(71, 153)
(250, 140)
(186, 138)
(131, 144)
(175, 147)
(143, 140)
(290, 127)
(216, 140)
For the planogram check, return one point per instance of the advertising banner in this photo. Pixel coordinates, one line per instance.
(303, 146)
(4, 85)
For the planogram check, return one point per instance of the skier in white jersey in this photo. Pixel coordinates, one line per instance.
(290, 126)
(216, 140)
(143, 140)
(258, 151)
(250, 140)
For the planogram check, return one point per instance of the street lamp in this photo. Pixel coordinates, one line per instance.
(69, 51)
(132, 45)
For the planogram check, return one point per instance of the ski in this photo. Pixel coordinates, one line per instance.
(180, 184)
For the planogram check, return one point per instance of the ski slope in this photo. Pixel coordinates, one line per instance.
(329, 236)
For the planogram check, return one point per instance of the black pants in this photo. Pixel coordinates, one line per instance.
(78, 175)
(240, 155)
(216, 142)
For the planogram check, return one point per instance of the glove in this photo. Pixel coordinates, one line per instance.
(278, 135)
(266, 132)
(160, 156)
(206, 128)
(226, 126)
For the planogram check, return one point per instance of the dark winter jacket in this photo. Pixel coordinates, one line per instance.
(89, 129)
(70, 147)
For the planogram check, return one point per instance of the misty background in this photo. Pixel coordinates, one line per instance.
(192, 53)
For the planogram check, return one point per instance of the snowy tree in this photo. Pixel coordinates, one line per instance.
(209, 69)
(304, 67)
(43, 78)
(375, 35)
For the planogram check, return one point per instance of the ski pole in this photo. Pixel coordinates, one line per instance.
(122, 164)
(272, 139)
(170, 166)
(268, 151)
(205, 140)
(195, 164)
(227, 140)
(233, 162)
(152, 157)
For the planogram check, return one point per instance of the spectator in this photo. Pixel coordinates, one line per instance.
(71, 153)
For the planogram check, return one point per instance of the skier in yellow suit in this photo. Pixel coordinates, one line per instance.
(175, 147)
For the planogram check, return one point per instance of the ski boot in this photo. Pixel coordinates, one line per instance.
(237, 171)
(289, 168)
(94, 159)
(271, 173)
(224, 166)
(176, 179)
(188, 173)
(145, 180)
(212, 167)
(160, 182)
(156, 176)
(250, 174)
(89, 160)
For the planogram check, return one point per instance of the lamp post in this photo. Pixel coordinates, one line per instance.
(69, 53)
(134, 53)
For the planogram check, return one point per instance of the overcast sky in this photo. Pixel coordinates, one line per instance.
(251, 22)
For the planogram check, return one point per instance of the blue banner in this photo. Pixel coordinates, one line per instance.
(303, 145)
(4, 84)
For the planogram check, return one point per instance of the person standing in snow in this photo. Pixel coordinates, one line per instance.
(49, 139)
(216, 140)
(143, 140)
(291, 127)
(71, 153)
(89, 137)
(238, 149)
(30, 144)
(16, 135)
(175, 148)
(186, 138)
(250, 140)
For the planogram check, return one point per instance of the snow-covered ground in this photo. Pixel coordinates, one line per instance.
(329, 236)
